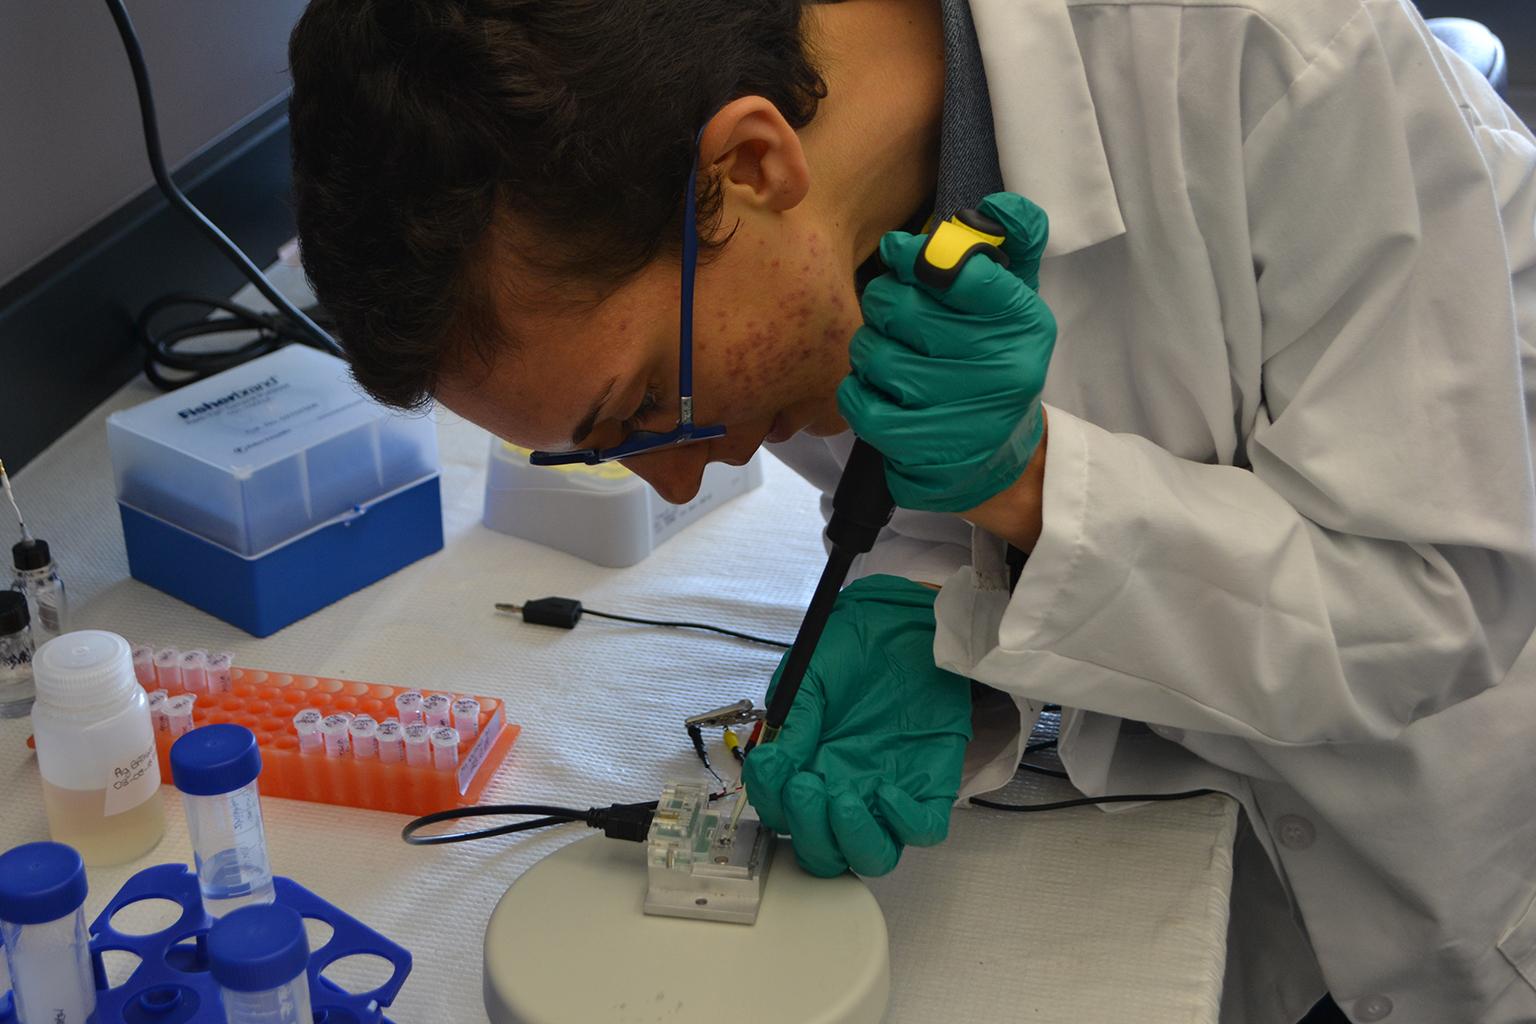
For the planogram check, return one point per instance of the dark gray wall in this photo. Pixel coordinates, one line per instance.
(70, 144)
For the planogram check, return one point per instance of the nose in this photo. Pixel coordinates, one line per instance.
(674, 474)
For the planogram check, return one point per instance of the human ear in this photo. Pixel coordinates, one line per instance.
(756, 154)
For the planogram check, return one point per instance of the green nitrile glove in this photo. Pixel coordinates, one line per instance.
(946, 384)
(871, 753)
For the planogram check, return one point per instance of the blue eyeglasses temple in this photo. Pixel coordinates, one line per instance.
(690, 263)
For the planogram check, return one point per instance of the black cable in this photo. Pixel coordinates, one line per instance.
(1030, 766)
(693, 625)
(1089, 801)
(289, 323)
(565, 612)
(618, 821)
(554, 816)
(272, 332)
(696, 735)
(630, 822)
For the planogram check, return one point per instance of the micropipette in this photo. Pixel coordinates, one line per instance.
(862, 504)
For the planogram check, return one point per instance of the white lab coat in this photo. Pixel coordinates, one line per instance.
(1290, 519)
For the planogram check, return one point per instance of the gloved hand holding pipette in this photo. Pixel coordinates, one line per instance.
(870, 757)
(946, 380)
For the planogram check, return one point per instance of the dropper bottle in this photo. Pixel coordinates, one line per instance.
(37, 579)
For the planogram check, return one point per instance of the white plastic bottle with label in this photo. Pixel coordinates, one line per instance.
(96, 748)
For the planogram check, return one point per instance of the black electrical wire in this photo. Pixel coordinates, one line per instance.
(288, 324)
(553, 816)
(566, 612)
(765, 641)
(696, 736)
(272, 332)
(1089, 802)
(1039, 769)
(630, 822)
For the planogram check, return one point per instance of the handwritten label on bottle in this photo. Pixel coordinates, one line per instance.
(133, 781)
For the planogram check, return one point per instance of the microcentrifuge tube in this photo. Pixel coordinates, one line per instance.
(194, 671)
(219, 672)
(445, 747)
(157, 717)
(436, 709)
(333, 730)
(466, 717)
(418, 745)
(144, 666)
(178, 710)
(364, 731)
(307, 725)
(168, 669)
(408, 704)
(391, 739)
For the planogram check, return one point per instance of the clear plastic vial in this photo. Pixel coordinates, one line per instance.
(436, 710)
(194, 671)
(408, 706)
(96, 748)
(42, 922)
(418, 744)
(215, 767)
(364, 732)
(37, 579)
(15, 656)
(391, 739)
(144, 666)
(466, 717)
(259, 956)
(307, 725)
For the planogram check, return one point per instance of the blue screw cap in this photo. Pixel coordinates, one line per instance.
(215, 759)
(40, 882)
(258, 948)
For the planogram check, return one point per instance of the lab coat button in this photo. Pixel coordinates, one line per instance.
(1297, 833)
(1372, 1008)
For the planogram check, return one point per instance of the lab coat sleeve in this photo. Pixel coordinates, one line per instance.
(1375, 565)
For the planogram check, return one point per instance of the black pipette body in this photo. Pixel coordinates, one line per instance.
(861, 506)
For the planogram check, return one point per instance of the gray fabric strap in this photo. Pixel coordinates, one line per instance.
(968, 167)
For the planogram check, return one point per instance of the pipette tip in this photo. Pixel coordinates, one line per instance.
(5, 485)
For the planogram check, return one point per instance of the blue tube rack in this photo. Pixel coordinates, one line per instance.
(171, 984)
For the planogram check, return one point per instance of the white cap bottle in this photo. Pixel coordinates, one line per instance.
(96, 748)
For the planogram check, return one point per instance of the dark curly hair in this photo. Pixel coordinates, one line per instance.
(418, 124)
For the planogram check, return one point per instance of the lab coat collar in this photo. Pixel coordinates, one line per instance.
(1048, 141)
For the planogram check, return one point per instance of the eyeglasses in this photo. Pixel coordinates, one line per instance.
(686, 431)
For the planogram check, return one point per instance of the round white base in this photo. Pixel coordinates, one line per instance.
(570, 942)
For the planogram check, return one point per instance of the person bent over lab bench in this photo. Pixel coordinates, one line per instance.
(1252, 393)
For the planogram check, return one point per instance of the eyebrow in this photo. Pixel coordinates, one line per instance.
(590, 419)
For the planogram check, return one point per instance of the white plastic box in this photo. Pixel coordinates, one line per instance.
(279, 482)
(605, 513)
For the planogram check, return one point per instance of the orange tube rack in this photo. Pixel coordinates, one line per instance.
(265, 703)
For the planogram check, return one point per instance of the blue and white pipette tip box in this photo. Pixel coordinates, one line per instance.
(273, 489)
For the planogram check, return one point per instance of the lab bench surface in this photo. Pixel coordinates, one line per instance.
(1077, 916)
